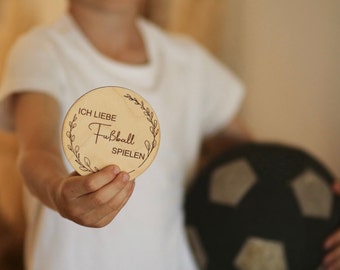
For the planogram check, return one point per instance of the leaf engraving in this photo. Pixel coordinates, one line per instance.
(75, 149)
(154, 128)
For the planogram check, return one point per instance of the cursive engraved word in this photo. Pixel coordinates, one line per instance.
(112, 136)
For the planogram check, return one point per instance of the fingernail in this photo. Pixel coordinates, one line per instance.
(115, 169)
(125, 177)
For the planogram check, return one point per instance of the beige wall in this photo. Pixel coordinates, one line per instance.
(16, 16)
(288, 54)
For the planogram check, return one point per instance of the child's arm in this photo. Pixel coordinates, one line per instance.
(92, 200)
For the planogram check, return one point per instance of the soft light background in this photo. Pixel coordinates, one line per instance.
(287, 52)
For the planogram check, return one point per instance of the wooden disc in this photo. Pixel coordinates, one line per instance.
(111, 125)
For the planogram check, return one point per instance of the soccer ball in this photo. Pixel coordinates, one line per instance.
(261, 207)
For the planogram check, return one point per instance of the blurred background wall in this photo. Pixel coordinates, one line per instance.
(287, 52)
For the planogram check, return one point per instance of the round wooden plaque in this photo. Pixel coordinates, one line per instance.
(111, 125)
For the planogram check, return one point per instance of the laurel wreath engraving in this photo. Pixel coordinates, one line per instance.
(86, 165)
(154, 129)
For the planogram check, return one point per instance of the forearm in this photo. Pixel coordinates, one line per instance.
(43, 173)
(37, 120)
(92, 200)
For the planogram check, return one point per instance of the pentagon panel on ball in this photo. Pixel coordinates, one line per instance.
(261, 206)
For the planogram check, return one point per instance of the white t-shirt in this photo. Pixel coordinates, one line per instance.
(192, 94)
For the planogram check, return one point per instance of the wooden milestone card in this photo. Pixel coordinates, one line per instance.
(111, 125)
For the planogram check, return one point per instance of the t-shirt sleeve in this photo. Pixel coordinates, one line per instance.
(223, 94)
(31, 66)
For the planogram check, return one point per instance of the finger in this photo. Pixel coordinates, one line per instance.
(78, 209)
(103, 195)
(336, 187)
(332, 260)
(116, 205)
(80, 185)
(101, 216)
(332, 240)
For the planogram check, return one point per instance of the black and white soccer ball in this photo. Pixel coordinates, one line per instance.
(262, 207)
